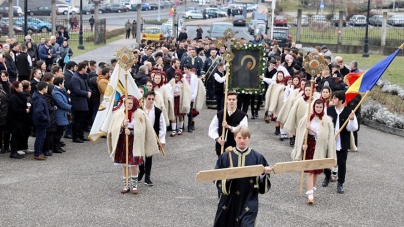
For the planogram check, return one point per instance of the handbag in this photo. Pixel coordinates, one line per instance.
(69, 117)
(66, 59)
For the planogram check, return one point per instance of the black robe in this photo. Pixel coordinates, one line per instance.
(238, 205)
(233, 120)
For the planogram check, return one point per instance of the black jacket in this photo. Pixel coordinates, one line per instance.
(4, 101)
(17, 111)
(182, 36)
(11, 68)
(40, 115)
(141, 79)
(51, 108)
(95, 93)
(345, 134)
(68, 77)
(23, 67)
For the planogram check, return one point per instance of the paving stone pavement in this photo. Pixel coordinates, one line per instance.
(82, 186)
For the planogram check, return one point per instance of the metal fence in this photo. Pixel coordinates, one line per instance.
(327, 33)
(41, 26)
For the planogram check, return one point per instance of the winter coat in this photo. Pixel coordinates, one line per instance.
(4, 102)
(40, 115)
(17, 111)
(51, 108)
(79, 90)
(65, 51)
(11, 68)
(134, 28)
(63, 105)
(95, 93)
(128, 26)
(141, 78)
(68, 77)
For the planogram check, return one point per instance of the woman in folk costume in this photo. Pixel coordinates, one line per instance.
(320, 143)
(297, 112)
(325, 96)
(164, 99)
(291, 93)
(274, 101)
(141, 140)
(181, 92)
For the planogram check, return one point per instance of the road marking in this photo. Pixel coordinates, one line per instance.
(249, 35)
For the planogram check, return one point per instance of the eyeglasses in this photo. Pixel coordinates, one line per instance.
(150, 99)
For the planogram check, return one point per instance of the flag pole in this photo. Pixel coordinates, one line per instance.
(225, 104)
(306, 135)
(126, 127)
(347, 120)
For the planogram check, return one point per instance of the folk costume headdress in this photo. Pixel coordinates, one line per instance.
(319, 115)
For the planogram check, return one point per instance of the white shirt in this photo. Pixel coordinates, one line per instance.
(268, 80)
(220, 79)
(315, 126)
(194, 86)
(283, 69)
(163, 128)
(351, 126)
(214, 126)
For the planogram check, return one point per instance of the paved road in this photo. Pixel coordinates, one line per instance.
(82, 187)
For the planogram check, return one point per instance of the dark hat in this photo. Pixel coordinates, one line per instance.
(297, 67)
(324, 47)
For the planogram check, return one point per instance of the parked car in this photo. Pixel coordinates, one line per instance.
(193, 14)
(65, 9)
(214, 13)
(190, 8)
(260, 16)
(283, 37)
(252, 7)
(116, 8)
(239, 20)
(152, 33)
(17, 11)
(304, 21)
(396, 20)
(260, 29)
(335, 20)
(41, 11)
(376, 20)
(357, 20)
(102, 8)
(20, 23)
(318, 19)
(4, 28)
(88, 9)
(280, 21)
(253, 24)
(42, 26)
(217, 29)
(155, 6)
(165, 4)
(145, 7)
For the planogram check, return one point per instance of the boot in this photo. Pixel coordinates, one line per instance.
(193, 126)
(292, 141)
(15, 155)
(277, 130)
(125, 189)
(148, 166)
(340, 188)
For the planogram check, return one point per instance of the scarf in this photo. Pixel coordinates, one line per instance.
(320, 115)
(136, 105)
(326, 102)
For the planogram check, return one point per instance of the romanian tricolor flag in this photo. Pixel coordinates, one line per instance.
(369, 78)
(171, 11)
(350, 78)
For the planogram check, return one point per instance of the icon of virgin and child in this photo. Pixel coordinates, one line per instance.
(245, 69)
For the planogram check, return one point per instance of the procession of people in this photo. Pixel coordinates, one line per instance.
(176, 85)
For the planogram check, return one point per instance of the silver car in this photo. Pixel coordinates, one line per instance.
(253, 24)
(217, 29)
(193, 14)
(358, 20)
(304, 21)
(396, 20)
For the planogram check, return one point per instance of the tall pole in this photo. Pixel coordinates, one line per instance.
(158, 15)
(139, 23)
(81, 46)
(25, 17)
(272, 18)
(366, 46)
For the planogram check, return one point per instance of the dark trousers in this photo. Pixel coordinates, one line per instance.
(146, 167)
(127, 34)
(78, 124)
(219, 102)
(244, 101)
(16, 139)
(69, 129)
(95, 110)
(355, 134)
(92, 26)
(58, 135)
(190, 115)
(342, 156)
(259, 102)
(39, 141)
(4, 133)
(48, 143)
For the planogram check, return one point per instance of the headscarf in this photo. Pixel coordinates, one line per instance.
(136, 105)
(320, 115)
(298, 84)
(161, 81)
(145, 90)
(178, 72)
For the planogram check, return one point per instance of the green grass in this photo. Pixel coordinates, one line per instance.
(393, 73)
(88, 46)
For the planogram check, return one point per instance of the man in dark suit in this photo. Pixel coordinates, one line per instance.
(194, 61)
(339, 114)
(80, 93)
(175, 64)
(64, 34)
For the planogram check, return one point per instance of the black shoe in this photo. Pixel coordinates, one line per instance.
(85, 139)
(62, 144)
(16, 155)
(78, 141)
(68, 137)
(253, 117)
(47, 153)
(57, 151)
(148, 182)
(193, 126)
(340, 188)
(256, 115)
(326, 181)
(190, 129)
(292, 141)
(62, 150)
(277, 130)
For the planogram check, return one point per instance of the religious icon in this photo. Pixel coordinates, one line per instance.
(245, 68)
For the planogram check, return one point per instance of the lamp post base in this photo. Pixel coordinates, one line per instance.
(80, 47)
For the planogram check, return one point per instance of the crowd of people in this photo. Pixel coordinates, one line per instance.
(46, 95)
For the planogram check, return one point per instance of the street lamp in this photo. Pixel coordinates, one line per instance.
(366, 46)
(81, 46)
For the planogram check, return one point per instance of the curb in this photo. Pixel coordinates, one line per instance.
(382, 127)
